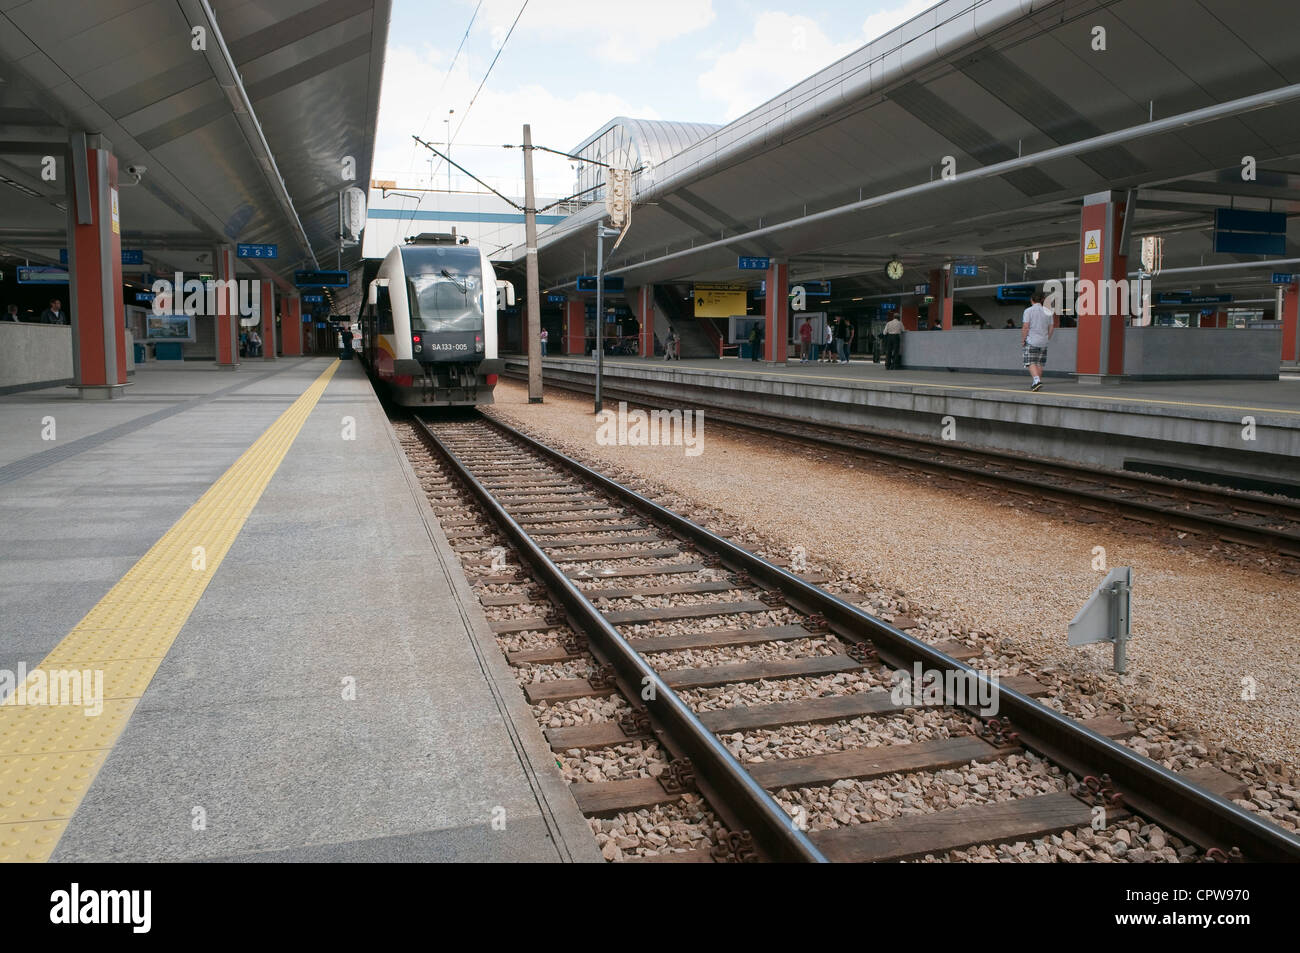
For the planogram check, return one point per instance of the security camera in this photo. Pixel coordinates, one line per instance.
(136, 170)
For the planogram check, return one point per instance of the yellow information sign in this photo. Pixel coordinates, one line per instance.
(1092, 246)
(719, 300)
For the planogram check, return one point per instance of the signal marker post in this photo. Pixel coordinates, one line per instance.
(534, 309)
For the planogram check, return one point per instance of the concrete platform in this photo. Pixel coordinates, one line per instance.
(338, 576)
(1187, 427)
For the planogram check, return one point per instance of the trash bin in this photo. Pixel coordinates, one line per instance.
(140, 354)
(745, 352)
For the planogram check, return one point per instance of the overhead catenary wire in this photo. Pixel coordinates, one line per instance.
(425, 124)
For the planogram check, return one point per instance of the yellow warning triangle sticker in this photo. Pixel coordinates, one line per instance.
(1092, 244)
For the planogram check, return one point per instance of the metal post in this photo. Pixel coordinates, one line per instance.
(534, 311)
(1280, 304)
(600, 313)
(1121, 593)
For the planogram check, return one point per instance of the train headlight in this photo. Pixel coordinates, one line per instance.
(478, 343)
(417, 348)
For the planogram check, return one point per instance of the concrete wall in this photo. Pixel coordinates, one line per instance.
(1183, 353)
(34, 353)
(996, 351)
(1149, 353)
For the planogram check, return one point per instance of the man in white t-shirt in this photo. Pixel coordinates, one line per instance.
(1035, 332)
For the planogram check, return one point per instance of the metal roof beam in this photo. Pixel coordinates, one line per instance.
(227, 76)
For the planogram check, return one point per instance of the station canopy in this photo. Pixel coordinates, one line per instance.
(846, 170)
(243, 136)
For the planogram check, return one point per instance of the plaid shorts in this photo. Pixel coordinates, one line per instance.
(1035, 355)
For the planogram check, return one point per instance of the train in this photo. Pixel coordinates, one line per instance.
(429, 323)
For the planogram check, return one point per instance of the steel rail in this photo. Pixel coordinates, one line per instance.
(773, 829)
(1285, 542)
(1147, 788)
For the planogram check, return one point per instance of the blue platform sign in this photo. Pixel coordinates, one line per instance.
(130, 256)
(1015, 292)
(753, 263)
(966, 271)
(889, 306)
(143, 297)
(556, 299)
(320, 279)
(313, 299)
(244, 250)
(1248, 232)
(923, 289)
(1280, 278)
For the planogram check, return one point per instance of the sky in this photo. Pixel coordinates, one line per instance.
(571, 65)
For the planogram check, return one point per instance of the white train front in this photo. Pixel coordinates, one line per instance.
(429, 328)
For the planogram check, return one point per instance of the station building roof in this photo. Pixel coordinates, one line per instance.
(844, 170)
(243, 139)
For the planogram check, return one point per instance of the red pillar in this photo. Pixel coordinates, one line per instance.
(1101, 334)
(95, 268)
(575, 325)
(227, 322)
(910, 316)
(267, 298)
(777, 310)
(291, 328)
(1291, 324)
(941, 289)
(645, 314)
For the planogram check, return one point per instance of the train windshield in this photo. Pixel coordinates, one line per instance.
(446, 300)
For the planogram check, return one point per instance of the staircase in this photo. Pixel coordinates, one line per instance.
(699, 337)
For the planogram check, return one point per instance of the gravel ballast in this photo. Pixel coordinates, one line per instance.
(1214, 642)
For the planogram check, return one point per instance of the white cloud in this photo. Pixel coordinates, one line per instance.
(782, 50)
(616, 31)
(880, 23)
(411, 83)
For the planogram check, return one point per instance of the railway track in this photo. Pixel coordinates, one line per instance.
(1259, 521)
(691, 669)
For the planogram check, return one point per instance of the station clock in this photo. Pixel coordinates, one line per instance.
(894, 269)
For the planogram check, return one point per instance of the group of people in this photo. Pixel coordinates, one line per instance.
(54, 314)
(250, 343)
(837, 337)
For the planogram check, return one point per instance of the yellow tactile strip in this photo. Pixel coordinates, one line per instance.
(50, 753)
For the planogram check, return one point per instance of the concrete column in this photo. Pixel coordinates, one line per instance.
(575, 325)
(644, 303)
(1101, 334)
(95, 271)
(1291, 324)
(291, 327)
(268, 319)
(777, 311)
(227, 324)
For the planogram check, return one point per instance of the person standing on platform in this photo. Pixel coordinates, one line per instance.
(841, 340)
(805, 340)
(1035, 332)
(893, 343)
(828, 340)
(11, 313)
(670, 344)
(543, 340)
(54, 314)
(346, 353)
